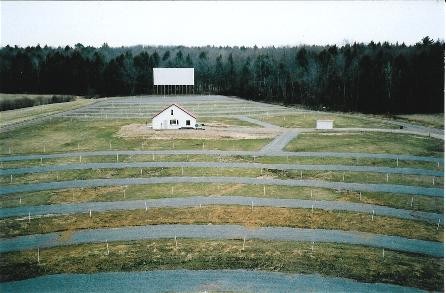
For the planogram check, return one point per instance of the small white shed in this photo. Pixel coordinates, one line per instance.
(174, 117)
(324, 124)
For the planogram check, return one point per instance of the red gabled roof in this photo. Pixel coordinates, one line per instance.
(176, 105)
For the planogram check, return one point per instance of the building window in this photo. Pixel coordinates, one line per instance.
(173, 122)
(171, 111)
(187, 122)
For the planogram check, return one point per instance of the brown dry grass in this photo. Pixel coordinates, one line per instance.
(339, 260)
(258, 217)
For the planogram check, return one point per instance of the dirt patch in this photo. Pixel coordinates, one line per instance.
(210, 133)
(66, 235)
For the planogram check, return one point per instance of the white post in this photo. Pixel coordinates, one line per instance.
(203, 145)
(80, 159)
(300, 174)
(140, 172)
(38, 255)
(252, 206)
(90, 213)
(176, 242)
(117, 157)
(311, 193)
(108, 251)
(438, 224)
(312, 207)
(433, 180)
(145, 205)
(360, 195)
(20, 201)
(264, 190)
(411, 202)
(244, 241)
(29, 217)
(387, 177)
(343, 176)
(11, 178)
(124, 193)
(182, 171)
(153, 157)
(383, 252)
(373, 214)
(438, 164)
(171, 190)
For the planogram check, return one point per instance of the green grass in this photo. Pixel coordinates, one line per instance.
(19, 115)
(334, 176)
(361, 263)
(155, 191)
(429, 120)
(64, 135)
(308, 120)
(367, 142)
(242, 215)
(240, 159)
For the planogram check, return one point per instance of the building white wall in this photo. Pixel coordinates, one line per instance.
(162, 120)
(324, 124)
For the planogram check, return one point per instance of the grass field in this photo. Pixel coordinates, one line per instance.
(335, 176)
(85, 131)
(64, 135)
(19, 115)
(348, 261)
(154, 191)
(308, 120)
(367, 142)
(429, 120)
(241, 159)
(257, 217)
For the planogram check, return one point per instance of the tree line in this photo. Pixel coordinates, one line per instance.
(369, 78)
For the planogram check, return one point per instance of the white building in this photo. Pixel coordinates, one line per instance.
(174, 117)
(324, 124)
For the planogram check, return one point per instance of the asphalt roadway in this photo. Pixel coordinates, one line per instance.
(197, 281)
(197, 201)
(398, 189)
(397, 243)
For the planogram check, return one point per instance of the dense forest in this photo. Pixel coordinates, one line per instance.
(370, 78)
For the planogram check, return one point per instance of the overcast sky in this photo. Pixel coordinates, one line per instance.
(219, 23)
